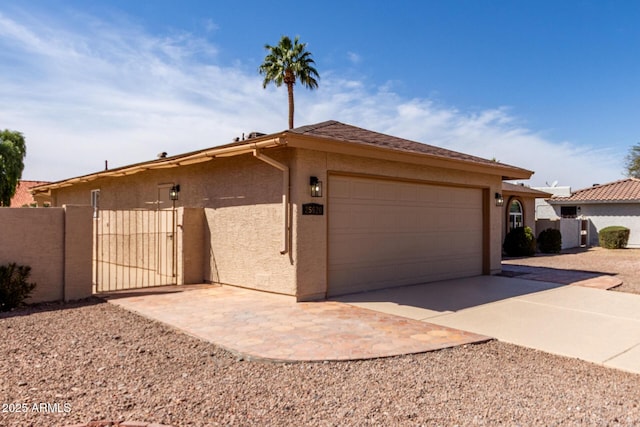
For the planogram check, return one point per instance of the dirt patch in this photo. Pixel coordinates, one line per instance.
(623, 263)
(69, 364)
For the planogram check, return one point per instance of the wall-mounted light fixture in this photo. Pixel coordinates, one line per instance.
(499, 200)
(316, 186)
(173, 192)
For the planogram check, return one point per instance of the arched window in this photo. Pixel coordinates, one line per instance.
(516, 218)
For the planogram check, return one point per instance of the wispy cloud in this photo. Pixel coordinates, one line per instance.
(354, 58)
(91, 90)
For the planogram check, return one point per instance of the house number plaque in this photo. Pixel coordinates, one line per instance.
(312, 209)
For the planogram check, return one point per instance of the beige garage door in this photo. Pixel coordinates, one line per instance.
(386, 233)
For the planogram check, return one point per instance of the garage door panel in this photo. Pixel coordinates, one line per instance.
(353, 249)
(340, 188)
(362, 190)
(386, 233)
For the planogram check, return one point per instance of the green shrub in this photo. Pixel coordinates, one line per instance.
(520, 242)
(614, 237)
(550, 241)
(14, 288)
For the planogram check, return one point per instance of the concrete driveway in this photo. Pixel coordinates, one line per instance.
(590, 324)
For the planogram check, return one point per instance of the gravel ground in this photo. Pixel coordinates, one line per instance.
(94, 361)
(625, 263)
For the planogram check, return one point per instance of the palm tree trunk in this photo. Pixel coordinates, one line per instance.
(291, 107)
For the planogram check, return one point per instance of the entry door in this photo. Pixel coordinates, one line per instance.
(385, 233)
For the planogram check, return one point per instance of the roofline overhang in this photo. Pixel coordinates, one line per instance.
(530, 194)
(590, 202)
(313, 142)
(289, 139)
(172, 162)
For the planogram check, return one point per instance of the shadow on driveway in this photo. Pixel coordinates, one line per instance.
(447, 296)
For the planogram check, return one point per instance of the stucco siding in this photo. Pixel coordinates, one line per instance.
(312, 250)
(241, 225)
(529, 215)
(244, 248)
(55, 243)
(605, 215)
(569, 228)
(310, 231)
(242, 218)
(35, 237)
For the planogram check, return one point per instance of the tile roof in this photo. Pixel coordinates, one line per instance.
(617, 191)
(335, 130)
(23, 195)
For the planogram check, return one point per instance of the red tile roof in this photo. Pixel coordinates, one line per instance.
(23, 195)
(625, 190)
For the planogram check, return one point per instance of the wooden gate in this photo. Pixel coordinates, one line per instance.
(134, 249)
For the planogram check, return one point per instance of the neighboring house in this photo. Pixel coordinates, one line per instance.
(574, 232)
(543, 209)
(23, 196)
(319, 210)
(520, 207)
(615, 203)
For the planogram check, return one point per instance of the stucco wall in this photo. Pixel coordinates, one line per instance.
(240, 222)
(529, 213)
(605, 215)
(608, 214)
(241, 198)
(569, 230)
(56, 243)
(78, 244)
(311, 252)
(190, 245)
(35, 237)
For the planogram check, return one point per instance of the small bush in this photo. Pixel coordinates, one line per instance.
(550, 241)
(14, 288)
(614, 237)
(520, 242)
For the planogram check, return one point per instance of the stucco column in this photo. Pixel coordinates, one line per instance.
(78, 247)
(190, 245)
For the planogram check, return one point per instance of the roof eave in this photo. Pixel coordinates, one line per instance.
(320, 143)
(553, 201)
(180, 160)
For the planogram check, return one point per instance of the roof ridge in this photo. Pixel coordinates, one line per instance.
(336, 130)
(607, 184)
(312, 127)
(626, 189)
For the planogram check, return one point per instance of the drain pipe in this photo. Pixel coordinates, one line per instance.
(285, 196)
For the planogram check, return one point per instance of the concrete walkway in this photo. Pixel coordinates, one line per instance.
(576, 321)
(258, 325)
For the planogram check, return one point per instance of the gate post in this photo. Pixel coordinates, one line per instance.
(78, 248)
(190, 254)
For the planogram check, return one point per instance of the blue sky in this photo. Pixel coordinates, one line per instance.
(551, 86)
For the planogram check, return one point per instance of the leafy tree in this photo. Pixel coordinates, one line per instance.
(287, 62)
(632, 164)
(13, 149)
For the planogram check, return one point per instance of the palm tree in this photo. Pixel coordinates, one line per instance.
(287, 62)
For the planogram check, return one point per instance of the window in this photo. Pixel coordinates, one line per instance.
(568, 211)
(95, 202)
(516, 218)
